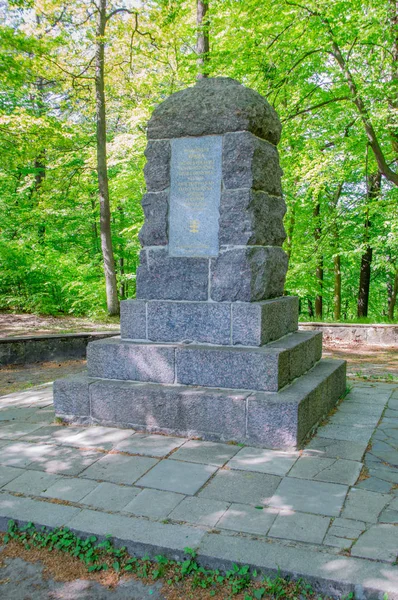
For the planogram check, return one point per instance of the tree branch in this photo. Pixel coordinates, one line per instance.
(315, 107)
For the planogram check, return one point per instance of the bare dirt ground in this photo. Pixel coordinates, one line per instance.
(12, 325)
(366, 362)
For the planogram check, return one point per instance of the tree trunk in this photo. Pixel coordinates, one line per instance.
(289, 232)
(102, 170)
(337, 288)
(310, 308)
(366, 259)
(392, 297)
(319, 266)
(202, 43)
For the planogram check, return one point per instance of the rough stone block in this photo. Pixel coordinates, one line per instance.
(160, 276)
(214, 106)
(251, 217)
(71, 396)
(213, 414)
(267, 368)
(117, 359)
(258, 323)
(157, 168)
(248, 274)
(249, 162)
(133, 320)
(284, 419)
(189, 322)
(154, 229)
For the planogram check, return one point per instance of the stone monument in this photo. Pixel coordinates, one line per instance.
(210, 348)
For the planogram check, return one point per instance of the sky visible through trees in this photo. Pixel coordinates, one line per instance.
(78, 82)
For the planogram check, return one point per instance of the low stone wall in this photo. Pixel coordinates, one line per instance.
(369, 335)
(43, 348)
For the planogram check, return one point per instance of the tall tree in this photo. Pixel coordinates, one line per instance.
(202, 43)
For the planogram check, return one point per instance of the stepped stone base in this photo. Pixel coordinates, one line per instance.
(267, 419)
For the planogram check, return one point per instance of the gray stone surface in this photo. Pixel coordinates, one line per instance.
(150, 445)
(35, 511)
(157, 168)
(119, 359)
(249, 519)
(13, 431)
(104, 438)
(250, 162)
(214, 106)
(380, 542)
(207, 453)
(110, 496)
(333, 470)
(176, 476)
(199, 511)
(171, 409)
(160, 276)
(133, 320)
(344, 432)
(71, 396)
(21, 454)
(241, 487)
(258, 323)
(364, 505)
(70, 489)
(324, 447)
(189, 322)
(250, 217)
(118, 468)
(52, 434)
(301, 527)
(195, 190)
(31, 483)
(153, 503)
(7, 474)
(248, 274)
(309, 496)
(274, 462)
(283, 420)
(62, 460)
(154, 230)
(266, 368)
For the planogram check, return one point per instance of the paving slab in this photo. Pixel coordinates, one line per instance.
(13, 431)
(70, 489)
(354, 419)
(380, 542)
(324, 447)
(359, 408)
(151, 537)
(333, 470)
(207, 453)
(273, 462)
(241, 487)
(16, 414)
(35, 511)
(301, 527)
(21, 454)
(374, 484)
(337, 542)
(389, 516)
(51, 434)
(43, 415)
(353, 433)
(32, 483)
(63, 460)
(199, 511)
(363, 505)
(153, 503)
(105, 438)
(110, 496)
(307, 496)
(8, 474)
(248, 519)
(118, 468)
(176, 476)
(150, 445)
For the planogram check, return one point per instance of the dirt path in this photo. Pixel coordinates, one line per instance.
(12, 325)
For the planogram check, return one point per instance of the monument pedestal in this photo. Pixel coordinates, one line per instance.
(210, 347)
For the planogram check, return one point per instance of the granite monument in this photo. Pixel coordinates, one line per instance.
(210, 347)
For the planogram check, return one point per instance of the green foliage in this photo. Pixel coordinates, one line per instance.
(50, 249)
(101, 556)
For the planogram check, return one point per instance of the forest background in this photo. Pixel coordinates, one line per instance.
(68, 69)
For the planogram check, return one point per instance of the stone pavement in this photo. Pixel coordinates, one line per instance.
(328, 513)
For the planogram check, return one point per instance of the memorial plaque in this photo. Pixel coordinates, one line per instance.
(195, 190)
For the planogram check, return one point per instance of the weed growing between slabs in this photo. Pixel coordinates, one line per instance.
(186, 579)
